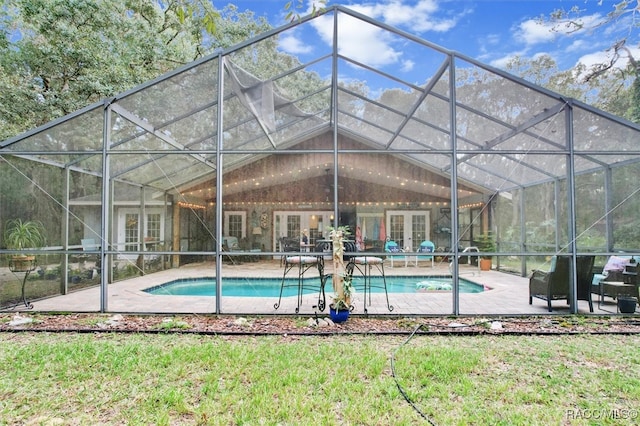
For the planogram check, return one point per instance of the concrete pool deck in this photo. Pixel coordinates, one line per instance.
(508, 295)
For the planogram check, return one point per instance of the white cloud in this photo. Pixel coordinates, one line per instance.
(291, 44)
(324, 26)
(487, 45)
(373, 46)
(419, 16)
(501, 62)
(577, 46)
(532, 32)
(407, 65)
(594, 58)
(359, 40)
(366, 43)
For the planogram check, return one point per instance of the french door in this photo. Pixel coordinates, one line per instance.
(408, 228)
(130, 229)
(291, 224)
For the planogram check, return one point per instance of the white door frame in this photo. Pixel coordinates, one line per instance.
(121, 234)
(407, 226)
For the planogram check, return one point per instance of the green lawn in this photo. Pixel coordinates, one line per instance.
(172, 379)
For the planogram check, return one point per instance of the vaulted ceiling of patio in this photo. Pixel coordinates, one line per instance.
(309, 177)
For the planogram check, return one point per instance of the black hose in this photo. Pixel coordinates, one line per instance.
(402, 391)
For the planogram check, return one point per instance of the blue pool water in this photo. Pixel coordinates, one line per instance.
(270, 287)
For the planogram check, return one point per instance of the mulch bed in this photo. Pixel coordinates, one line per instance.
(305, 325)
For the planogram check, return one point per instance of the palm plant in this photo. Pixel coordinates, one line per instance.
(21, 235)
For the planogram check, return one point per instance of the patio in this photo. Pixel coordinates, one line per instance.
(508, 295)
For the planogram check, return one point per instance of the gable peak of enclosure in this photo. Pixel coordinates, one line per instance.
(333, 120)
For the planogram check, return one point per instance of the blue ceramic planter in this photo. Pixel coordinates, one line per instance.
(338, 316)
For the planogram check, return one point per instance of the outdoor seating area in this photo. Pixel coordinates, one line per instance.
(618, 278)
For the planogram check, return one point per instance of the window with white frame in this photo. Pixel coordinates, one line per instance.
(235, 224)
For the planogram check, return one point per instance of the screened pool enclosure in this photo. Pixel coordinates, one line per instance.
(218, 168)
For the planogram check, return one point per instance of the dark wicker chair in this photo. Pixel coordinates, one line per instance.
(555, 284)
(552, 285)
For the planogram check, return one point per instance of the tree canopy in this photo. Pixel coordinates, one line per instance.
(57, 56)
(622, 19)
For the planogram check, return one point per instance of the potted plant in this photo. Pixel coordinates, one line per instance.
(486, 243)
(340, 308)
(342, 285)
(21, 235)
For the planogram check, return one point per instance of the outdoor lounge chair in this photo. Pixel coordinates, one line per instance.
(393, 248)
(230, 244)
(551, 285)
(555, 284)
(91, 251)
(426, 247)
(89, 244)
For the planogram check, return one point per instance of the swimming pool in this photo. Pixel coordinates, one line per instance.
(270, 287)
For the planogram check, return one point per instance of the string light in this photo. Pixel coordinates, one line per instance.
(404, 182)
(470, 206)
(192, 206)
(312, 204)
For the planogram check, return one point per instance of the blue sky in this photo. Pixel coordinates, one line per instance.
(491, 31)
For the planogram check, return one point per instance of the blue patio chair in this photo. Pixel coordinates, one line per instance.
(426, 247)
(393, 248)
(89, 244)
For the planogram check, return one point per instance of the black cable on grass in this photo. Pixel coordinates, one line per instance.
(393, 374)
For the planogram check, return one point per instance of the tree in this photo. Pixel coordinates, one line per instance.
(570, 21)
(606, 91)
(624, 13)
(293, 8)
(57, 56)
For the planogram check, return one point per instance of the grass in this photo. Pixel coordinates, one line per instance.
(176, 379)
